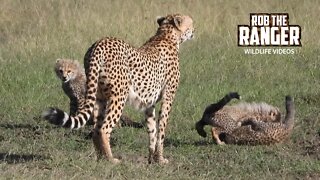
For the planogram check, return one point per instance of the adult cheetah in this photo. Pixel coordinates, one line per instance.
(120, 73)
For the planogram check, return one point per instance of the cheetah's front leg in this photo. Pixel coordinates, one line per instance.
(164, 114)
(74, 106)
(152, 130)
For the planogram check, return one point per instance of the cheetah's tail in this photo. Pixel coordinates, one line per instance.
(206, 117)
(289, 119)
(58, 117)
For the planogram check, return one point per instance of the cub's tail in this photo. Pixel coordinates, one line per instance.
(289, 119)
(211, 109)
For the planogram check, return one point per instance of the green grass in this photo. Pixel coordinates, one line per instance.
(33, 34)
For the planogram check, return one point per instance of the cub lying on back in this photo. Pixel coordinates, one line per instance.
(225, 119)
(254, 132)
(74, 80)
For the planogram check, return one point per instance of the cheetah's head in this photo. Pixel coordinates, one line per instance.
(66, 69)
(275, 114)
(183, 25)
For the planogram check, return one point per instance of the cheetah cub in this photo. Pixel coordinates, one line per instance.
(254, 132)
(225, 119)
(73, 79)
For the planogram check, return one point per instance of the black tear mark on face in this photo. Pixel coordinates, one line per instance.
(160, 20)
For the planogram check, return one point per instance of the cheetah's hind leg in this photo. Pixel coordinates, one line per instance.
(215, 132)
(116, 94)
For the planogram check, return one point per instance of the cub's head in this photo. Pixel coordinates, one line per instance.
(182, 25)
(269, 113)
(67, 69)
(275, 115)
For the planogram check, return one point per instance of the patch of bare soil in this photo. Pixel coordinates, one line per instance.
(19, 158)
(312, 147)
(134, 158)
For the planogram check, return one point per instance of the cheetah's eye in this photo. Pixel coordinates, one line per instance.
(69, 71)
(61, 71)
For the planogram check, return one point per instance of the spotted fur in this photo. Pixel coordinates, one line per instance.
(225, 119)
(74, 80)
(255, 132)
(120, 74)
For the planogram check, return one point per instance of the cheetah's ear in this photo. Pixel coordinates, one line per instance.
(58, 60)
(160, 20)
(178, 21)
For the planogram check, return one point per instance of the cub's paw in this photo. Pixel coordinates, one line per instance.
(163, 161)
(114, 161)
(234, 95)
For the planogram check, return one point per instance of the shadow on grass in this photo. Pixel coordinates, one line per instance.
(32, 126)
(19, 126)
(26, 129)
(19, 158)
(184, 142)
(204, 143)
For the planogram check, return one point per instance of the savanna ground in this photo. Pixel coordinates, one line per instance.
(33, 34)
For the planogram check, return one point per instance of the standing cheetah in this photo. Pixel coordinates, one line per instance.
(225, 119)
(120, 73)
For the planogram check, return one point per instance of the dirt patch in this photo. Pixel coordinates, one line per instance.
(310, 98)
(24, 130)
(19, 158)
(312, 147)
(137, 159)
